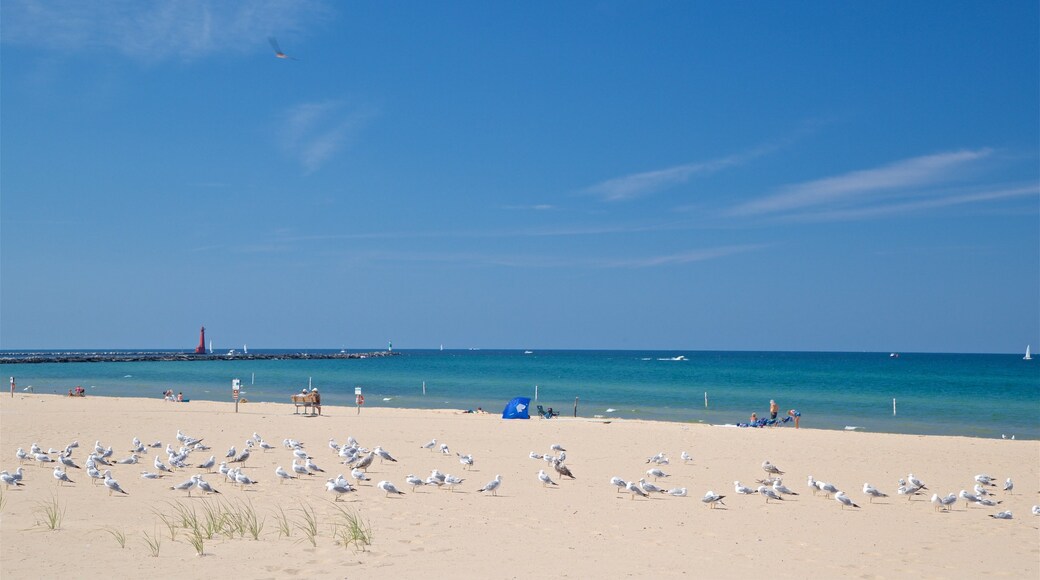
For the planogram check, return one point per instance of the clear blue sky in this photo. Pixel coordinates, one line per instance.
(673, 175)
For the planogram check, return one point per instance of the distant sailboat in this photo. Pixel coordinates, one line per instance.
(245, 349)
(1027, 357)
(442, 347)
(211, 347)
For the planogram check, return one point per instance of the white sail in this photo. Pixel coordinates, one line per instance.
(1027, 357)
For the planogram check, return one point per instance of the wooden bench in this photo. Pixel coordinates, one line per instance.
(306, 401)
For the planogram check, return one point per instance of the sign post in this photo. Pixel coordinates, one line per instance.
(236, 385)
(12, 387)
(359, 399)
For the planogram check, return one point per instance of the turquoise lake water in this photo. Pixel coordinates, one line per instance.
(978, 395)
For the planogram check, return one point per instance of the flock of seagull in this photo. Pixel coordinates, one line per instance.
(359, 459)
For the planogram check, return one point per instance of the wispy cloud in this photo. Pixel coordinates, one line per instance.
(314, 132)
(698, 255)
(155, 31)
(640, 184)
(535, 207)
(867, 185)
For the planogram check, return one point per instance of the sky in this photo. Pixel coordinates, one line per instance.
(814, 176)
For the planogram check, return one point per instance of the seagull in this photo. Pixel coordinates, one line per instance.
(282, 474)
(989, 502)
(770, 468)
(534, 455)
(333, 445)
(686, 457)
(155, 444)
(300, 468)
(968, 498)
(779, 487)
(112, 485)
(265, 445)
(43, 458)
(312, 467)
(18, 475)
(242, 479)
(61, 476)
(544, 478)
(649, 487)
(436, 476)
(872, 492)
(1036, 510)
(223, 469)
(94, 474)
(9, 479)
(915, 482)
(465, 460)
(22, 455)
(383, 455)
(1009, 485)
(160, 465)
(413, 481)
(186, 486)
(1004, 515)
(128, 461)
(738, 488)
(242, 457)
(338, 488)
(634, 489)
(679, 492)
(209, 463)
(711, 498)
(769, 493)
(430, 445)
(231, 453)
(277, 49)
(492, 485)
(985, 479)
(150, 475)
(908, 491)
(619, 483)
(980, 490)
(656, 473)
(827, 488)
(937, 502)
(444, 449)
(844, 500)
(562, 469)
(658, 459)
(451, 481)
(68, 462)
(365, 461)
(389, 488)
(359, 475)
(556, 447)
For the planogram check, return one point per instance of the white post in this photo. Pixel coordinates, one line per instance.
(309, 382)
(253, 380)
(705, 399)
(535, 393)
(424, 388)
(893, 407)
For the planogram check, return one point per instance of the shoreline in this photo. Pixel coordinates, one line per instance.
(583, 525)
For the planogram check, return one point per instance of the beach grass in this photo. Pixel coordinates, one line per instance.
(284, 525)
(308, 523)
(154, 542)
(118, 535)
(52, 513)
(352, 529)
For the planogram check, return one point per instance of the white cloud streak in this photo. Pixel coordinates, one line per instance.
(314, 132)
(865, 185)
(155, 31)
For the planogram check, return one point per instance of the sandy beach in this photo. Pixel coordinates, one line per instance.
(580, 528)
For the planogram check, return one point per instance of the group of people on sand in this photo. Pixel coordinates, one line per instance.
(168, 396)
(78, 392)
(774, 410)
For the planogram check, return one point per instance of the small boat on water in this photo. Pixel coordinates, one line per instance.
(893, 355)
(528, 352)
(1028, 356)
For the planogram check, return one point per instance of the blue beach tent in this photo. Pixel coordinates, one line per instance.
(517, 408)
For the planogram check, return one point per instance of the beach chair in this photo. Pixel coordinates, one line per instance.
(546, 414)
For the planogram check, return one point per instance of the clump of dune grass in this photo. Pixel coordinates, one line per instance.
(153, 542)
(52, 513)
(118, 535)
(352, 529)
(284, 525)
(196, 540)
(308, 523)
(249, 520)
(169, 522)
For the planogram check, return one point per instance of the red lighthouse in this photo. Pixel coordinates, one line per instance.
(201, 348)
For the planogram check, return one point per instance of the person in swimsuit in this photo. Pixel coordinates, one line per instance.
(773, 409)
(796, 416)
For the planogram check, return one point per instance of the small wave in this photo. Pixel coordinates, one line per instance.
(127, 376)
(851, 427)
(387, 398)
(610, 411)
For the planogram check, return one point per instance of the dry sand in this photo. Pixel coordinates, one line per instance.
(582, 528)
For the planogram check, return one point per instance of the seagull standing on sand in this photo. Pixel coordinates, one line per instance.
(742, 490)
(358, 475)
(711, 498)
(619, 483)
(311, 466)
(827, 488)
(365, 461)
(68, 462)
(634, 489)
(389, 488)
(556, 447)
(465, 460)
(337, 488)
(562, 469)
(1036, 510)
(383, 455)
(872, 492)
(915, 482)
(844, 500)
(656, 473)
(430, 445)
(444, 449)
(769, 493)
(1002, 515)
(492, 485)
(61, 476)
(649, 487)
(112, 485)
(282, 474)
(148, 475)
(451, 481)
(544, 478)
(779, 487)
(686, 458)
(985, 479)
(679, 492)
(1009, 485)
(413, 481)
(770, 468)
(209, 463)
(9, 479)
(185, 486)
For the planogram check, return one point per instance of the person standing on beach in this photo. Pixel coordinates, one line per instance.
(796, 416)
(773, 409)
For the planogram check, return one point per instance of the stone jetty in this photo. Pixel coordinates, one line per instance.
(161, 356)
